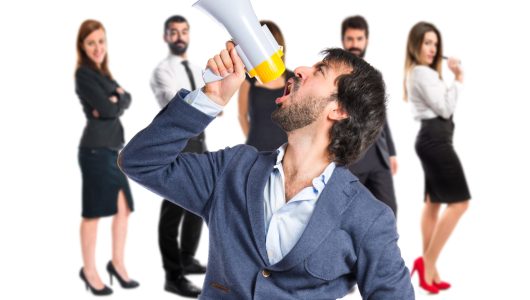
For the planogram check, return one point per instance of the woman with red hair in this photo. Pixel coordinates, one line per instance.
(106, 190)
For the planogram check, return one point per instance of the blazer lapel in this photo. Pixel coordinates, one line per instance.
(258, 177)
(335, 198)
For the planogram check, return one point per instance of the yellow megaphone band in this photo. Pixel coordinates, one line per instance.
(269, 69)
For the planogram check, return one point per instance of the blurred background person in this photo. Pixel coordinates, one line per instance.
(376, 167)
(175, 72)
(433, 104)
(256, 104)
(106, 190)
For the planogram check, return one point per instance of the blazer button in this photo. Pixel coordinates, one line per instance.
(266, 273)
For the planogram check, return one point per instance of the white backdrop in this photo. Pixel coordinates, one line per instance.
(41, 122)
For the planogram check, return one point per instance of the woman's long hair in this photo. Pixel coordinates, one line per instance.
(87, 27)
(414, 44)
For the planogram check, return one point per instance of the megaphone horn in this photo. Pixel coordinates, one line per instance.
(255, 44)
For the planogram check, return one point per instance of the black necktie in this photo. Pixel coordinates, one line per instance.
(190, 75)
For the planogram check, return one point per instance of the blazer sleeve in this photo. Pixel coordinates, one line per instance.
(382, 273)
(389, 140)
(153, 157)
(89, 89)
(124, 100)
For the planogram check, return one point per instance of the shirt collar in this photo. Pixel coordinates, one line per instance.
(281, 152)
(318, 182)
(176, 58)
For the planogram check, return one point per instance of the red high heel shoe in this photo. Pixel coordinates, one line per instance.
(420, 267)
(442, 285)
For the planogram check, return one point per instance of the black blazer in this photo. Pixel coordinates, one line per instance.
(377, 154)
(94, 90)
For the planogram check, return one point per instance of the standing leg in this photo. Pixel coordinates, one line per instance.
(119, 234)
(441, 233)
(88, 230)
(176, 282)
(168, 226)
(189, 242)
(429, 219)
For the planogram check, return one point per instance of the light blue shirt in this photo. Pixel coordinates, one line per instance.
(284, 221)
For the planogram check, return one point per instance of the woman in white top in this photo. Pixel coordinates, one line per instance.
(433, 104)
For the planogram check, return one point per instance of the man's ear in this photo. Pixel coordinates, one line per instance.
(337, 113)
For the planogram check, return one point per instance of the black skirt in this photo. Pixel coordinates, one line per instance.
(102, 180)
(445, 181)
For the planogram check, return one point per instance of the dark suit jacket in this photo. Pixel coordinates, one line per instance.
(350, 238)
(377, 154)
(94, 90)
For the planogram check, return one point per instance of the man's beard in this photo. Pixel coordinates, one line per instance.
(357, 52)
(300, 112)
(178, 48)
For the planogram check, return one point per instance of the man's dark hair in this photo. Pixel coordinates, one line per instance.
(361, 94)
(355, 22)
(174, 19)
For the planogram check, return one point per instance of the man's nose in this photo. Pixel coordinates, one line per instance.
(302, 72)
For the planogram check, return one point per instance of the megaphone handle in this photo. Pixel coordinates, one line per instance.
(209, 76)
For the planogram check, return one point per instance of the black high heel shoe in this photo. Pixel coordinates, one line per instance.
(103, 292)
(131, 284)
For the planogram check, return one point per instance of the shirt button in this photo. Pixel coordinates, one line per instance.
(266, 273)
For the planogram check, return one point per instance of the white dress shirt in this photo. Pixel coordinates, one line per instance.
(284, 222)
(428, 94)
(170, 76)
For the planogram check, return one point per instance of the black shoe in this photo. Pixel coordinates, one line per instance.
(131, 284)
(103, 292)
(183, 287)
(193, 267)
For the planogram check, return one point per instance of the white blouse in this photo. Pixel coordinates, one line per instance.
(429, 96)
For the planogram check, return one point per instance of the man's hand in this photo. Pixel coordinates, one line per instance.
(227, 64)
(393, 165)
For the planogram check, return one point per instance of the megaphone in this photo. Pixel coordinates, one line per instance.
(255, 44)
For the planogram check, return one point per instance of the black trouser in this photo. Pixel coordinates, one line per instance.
(175, 253)
(377, 178)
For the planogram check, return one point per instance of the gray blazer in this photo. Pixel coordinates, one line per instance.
(351, 237)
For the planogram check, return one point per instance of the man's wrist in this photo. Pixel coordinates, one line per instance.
(202, 102)
(217, 99)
